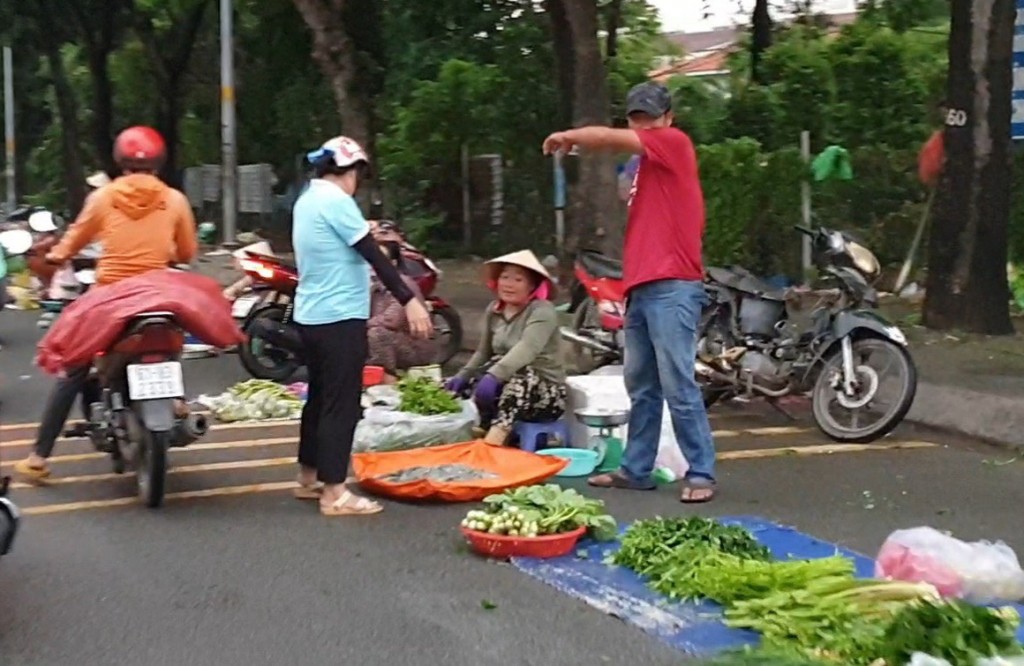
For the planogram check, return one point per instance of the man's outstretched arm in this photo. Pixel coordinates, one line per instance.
(595, 138)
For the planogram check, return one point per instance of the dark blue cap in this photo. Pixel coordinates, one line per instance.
(651, 98)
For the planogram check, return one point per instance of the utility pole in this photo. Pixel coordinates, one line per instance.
(12, 199)
(229, 149)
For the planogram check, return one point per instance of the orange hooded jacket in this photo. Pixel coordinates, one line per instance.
(142, 223)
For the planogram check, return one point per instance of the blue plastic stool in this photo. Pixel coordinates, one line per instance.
(529, 433)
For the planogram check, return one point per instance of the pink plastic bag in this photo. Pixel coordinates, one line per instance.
(980, 571)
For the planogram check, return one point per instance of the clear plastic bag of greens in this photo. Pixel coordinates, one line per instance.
(384, 428)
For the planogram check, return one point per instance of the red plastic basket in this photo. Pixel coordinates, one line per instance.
(502, 546)
(372, 375)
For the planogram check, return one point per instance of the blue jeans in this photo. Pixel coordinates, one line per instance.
(661, 347)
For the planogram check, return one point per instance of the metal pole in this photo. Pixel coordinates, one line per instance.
(229, 150)
(467, 223)
(12, 199)
(560, 198)
(805, 196)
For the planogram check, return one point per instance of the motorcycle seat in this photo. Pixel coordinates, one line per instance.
(742, 280)
(273, 260)
(601, 266)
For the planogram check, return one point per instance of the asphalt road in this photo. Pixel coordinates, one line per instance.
(233, 571)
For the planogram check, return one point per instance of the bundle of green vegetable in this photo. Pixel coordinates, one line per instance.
(254, 400)
(424, 396)
(647, 542)
(538, 510)
(839, 617)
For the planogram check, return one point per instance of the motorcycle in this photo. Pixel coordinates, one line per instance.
(71, 281)
(412, 262)
(598, 306)
(10, 518)
(274, 349)
(756, 340)
(139, 415)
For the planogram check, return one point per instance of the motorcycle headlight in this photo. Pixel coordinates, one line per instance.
(897, 335)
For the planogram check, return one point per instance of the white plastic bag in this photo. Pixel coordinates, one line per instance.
(922, 659)
(980, 572)
(386, 429)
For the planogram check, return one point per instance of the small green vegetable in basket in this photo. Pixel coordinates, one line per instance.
(424, 396)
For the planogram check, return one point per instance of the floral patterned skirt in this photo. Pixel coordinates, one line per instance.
(529, 397)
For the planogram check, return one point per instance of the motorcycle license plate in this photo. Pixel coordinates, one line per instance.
(153, 381)
(243, 305)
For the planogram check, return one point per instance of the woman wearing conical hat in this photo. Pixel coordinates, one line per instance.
(515, 374)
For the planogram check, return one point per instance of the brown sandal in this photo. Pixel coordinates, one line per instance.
(620, 481)
(308, 491)
(348, 504)
(697, 492)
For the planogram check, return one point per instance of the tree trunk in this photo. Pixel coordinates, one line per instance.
(595, 208)
(761, 39)
(334, 52)
(967, 286)
(561, 35)
(67, 107)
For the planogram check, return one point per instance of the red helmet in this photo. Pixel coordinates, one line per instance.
(140, 149)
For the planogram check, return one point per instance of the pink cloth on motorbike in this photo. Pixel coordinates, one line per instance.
(92, 323)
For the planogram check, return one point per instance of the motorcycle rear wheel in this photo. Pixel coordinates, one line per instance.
(587, 360)
(151, 475)
(822, 394)
(258, 357)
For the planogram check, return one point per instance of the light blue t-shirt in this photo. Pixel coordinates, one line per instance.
(334, 279)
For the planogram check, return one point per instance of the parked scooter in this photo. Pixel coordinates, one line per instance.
(760, 341)
(598, 307)
(274, 350)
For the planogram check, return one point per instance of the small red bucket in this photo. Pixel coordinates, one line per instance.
(504, 547)
(372, 375)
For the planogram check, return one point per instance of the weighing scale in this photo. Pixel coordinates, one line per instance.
(605, 442)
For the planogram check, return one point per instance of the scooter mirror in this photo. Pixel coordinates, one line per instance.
(15, 242)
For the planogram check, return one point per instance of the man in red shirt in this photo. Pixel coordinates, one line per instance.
(663, 275)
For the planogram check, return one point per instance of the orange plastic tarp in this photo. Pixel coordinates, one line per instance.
(513, 467)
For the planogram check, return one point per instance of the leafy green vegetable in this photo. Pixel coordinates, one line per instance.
(424, 396)
(552, 510)
(648, 541)
(700, 571)
(955, 631)
(761, 656)
(838, 617)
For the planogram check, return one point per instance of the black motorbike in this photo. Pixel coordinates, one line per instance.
(757, 340)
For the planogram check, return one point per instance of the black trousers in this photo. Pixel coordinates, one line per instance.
(59, 404)
(335, 355)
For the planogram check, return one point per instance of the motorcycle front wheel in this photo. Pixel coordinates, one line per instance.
(259, 357)
(447, 331)
(869, 413)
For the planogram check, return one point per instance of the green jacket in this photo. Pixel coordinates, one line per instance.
(529, 338)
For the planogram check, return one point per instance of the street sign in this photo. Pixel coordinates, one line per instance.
(1017, 119)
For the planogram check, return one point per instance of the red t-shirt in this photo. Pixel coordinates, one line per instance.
(665, 229)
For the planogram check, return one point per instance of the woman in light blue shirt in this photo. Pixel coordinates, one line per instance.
(334, 252)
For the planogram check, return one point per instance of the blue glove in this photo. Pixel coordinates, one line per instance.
(488, 390)
(456, 385)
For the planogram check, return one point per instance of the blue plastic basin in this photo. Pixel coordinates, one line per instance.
(581, 461)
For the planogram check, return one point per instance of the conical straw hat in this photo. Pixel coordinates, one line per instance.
(524, 259)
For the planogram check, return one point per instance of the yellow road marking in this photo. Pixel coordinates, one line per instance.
(185, 469)
(188, 494)
(718, 434)
(242, 425)
(209, 446)
(827, 449)
(822, 449)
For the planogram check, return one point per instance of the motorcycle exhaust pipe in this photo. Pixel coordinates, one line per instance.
(189, 429)
(572, 336)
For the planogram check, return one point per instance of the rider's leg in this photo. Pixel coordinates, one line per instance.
(58, 407)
